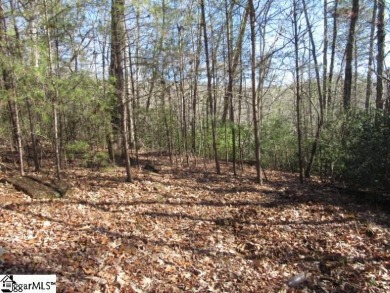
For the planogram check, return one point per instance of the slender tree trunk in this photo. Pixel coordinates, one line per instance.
(195, 89)
(371, 56)
(14, 105)
(355, 75)
(136, 90)
(380, 53)
(16, 130)
(34, 63)
(109, 128)
(387, 101)
(209, 89)
(128, 86)
(332, 58)
(125, 137)
(314, 55)
(233, 60)
(298, 90)
(133, 103)
(325, 61)
(255, 101)
(349, 56)
(34, 143)
(320, 119)
(10, 87)
(116, 71)
(229, 93)
(240, 96)
(52, 93)
(55, 132)
(182, 95)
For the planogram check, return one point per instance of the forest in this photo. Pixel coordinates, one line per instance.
(196, 145)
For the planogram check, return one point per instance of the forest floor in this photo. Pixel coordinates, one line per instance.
(187, 229)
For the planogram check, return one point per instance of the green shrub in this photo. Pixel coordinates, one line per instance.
(330, 158)
(367, 160)
(97, 160)
(76, 149)
(225, 138)
(279, 144)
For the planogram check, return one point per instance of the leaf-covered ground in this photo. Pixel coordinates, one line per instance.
(190, 230)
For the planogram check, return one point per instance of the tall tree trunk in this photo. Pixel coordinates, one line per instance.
(209, 89)
(371, 57)
(380, 53)
(14, 105)
(128, 86)
(320, 119)
(135, 89)
(349, 56)
(197, 51)
(298, 90)
(165, 88)
(181, 93)
(118, 42)
(33, 34)
(229, 92)
(10, 87)
(255, 101)
(240, 95)
(132, 96)
(108, 125)
(233, 60)
(332, 58)
(325, 61)
(235, 52)
(52, 93)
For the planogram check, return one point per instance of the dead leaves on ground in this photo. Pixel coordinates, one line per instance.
(178, 232)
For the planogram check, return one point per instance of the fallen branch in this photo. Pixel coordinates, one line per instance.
(33, 188)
